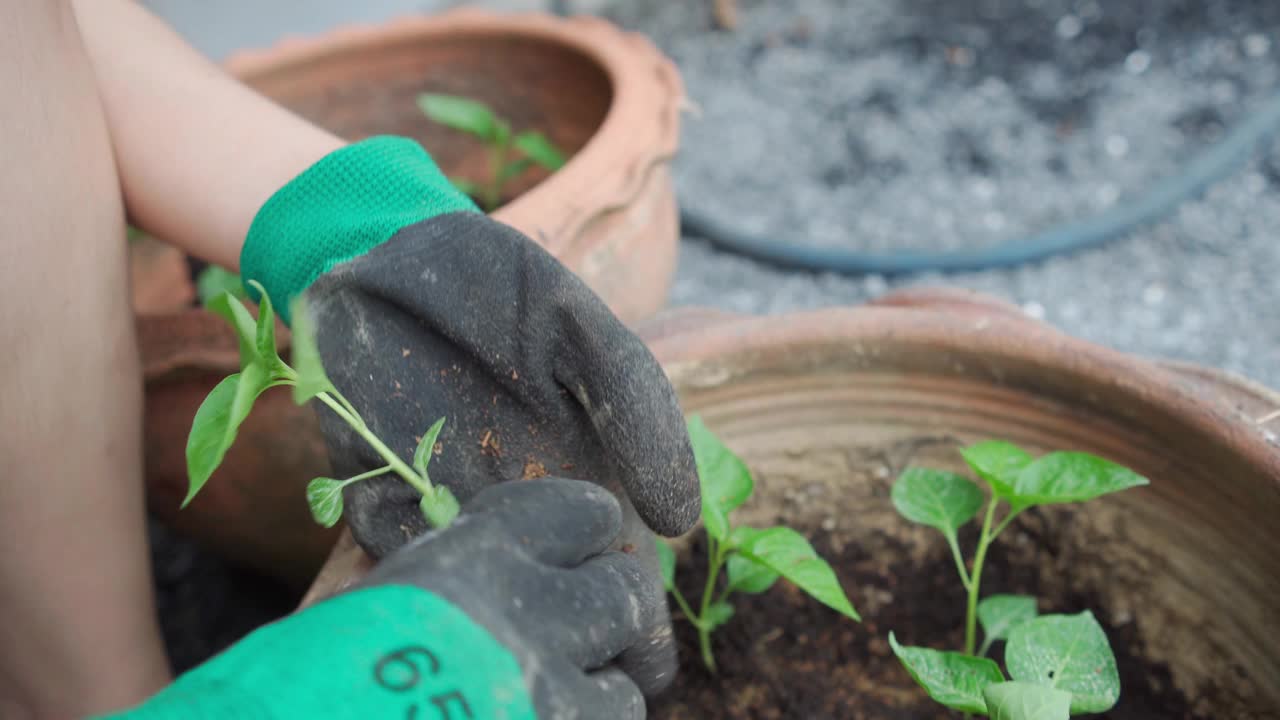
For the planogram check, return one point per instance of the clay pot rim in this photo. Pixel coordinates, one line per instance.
(1198, 398)
(642, 79)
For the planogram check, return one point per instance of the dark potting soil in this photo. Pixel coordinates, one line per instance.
(783, 655)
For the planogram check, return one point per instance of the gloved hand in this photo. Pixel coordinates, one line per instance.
(512, 612)
(527, 562)
(424, 307)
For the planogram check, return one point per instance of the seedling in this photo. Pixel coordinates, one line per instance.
(214, 279)
(216, 422)
(753, 559)
(477, 119)
(1060, 665)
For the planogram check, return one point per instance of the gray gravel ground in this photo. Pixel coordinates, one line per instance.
(934, 124)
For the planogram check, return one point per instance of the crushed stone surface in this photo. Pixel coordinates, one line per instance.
(880, 125)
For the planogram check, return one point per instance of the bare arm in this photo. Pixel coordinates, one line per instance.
(197, 152)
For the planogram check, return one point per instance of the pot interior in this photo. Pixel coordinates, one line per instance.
(369, 86)
(827, 430)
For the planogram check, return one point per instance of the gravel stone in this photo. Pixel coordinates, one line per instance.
(881, 125)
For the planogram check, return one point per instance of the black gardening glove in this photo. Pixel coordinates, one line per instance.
(527, 561)
(516, 610)
(424, 307)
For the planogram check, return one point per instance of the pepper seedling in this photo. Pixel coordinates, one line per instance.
(214, 279)
(752, 558)
(1060, 665)
(479, 120)
(219, 417)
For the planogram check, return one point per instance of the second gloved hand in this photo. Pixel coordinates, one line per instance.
(526, 561)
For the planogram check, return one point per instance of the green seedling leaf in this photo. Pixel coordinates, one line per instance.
(324, 496)
(941, 500)
(311, 379)
(667, 564)
(787, 553)
(466, 187)
(950, 678)
(213, 430)
(461, 113)
(265, 335)
(538, 148)
(426, 447)
(1067, 477)
(717, 614)
(440, 508)
(726, 482)
(998, 462)
(234, 312)
(1001, 613)
(1026, 701)
(514, 169)
(214, 280)
(1067, 652)
(748, 576)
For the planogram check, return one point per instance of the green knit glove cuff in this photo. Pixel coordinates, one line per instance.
(384, 652)
(348, 203)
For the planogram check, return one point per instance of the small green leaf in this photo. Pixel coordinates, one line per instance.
(440, 508)
(1026, 701)
(515, 169)
(426, 446)
(466, 187)
(941, 500)
(538, 148)
(726, 482)
(667, 564)
(306, 356)
(234, 312)
(461, 113)
(213, 430)
(324, 495)
(1067, 652)
(215, 279)
(998, 463)
(717, 614)
(787, 553)
(748, 576)
(265, 336)
(953, 679)
(1001, 613)
(1067, 477)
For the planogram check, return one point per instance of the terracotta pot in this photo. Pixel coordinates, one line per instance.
(839, 401)
(607, 97)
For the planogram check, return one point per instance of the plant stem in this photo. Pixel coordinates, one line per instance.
(1013, 513)
(684, 606)
(346, 404)
(955, 555)
(715, 559)
(497, 162)
(366, 475)
(393, 460)
(971, 613)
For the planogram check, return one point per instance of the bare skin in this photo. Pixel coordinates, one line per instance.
(105, 110)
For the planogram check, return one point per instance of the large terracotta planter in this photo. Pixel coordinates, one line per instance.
(833, 404)
(608, 97)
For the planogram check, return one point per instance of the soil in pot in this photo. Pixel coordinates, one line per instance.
(785, 656)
